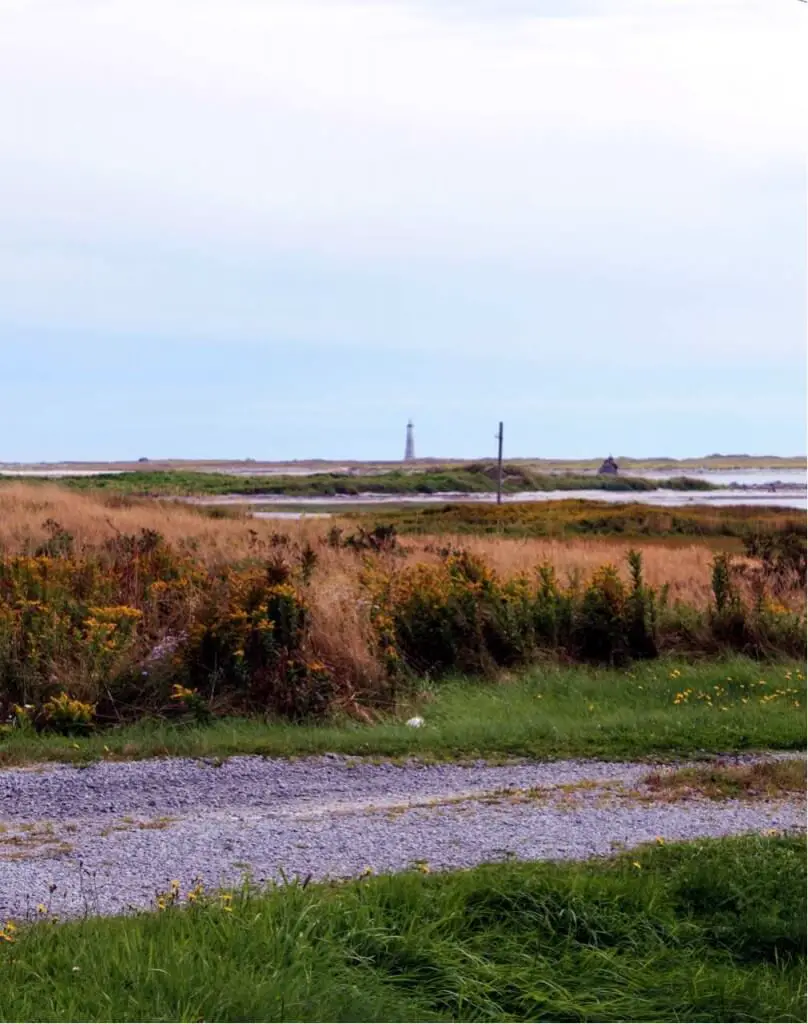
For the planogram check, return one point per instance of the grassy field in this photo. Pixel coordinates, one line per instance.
(659, 710)
(709, 931)
(468, 479)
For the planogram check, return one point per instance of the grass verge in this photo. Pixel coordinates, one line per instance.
(708, 931)
(660, 709)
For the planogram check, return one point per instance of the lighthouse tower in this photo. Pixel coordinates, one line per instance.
(409, 448)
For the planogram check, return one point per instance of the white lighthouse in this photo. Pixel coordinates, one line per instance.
(409, 447)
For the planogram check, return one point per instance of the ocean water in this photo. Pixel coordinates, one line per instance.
(744, 477)
(796, 499)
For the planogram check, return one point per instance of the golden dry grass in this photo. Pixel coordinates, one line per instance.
(24, 509)
(685, 568)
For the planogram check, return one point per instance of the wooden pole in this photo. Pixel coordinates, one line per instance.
(499, 466)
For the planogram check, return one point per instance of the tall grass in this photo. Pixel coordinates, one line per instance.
(239, 617)
(708, 931)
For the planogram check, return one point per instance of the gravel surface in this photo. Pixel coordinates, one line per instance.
(106, 838)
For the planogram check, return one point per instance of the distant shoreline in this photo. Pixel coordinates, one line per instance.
(305, 467)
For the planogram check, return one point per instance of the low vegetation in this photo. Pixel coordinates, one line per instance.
(707, 931)
(714, 462)
(473, 478)
(750, 781)
(576, 518)
(544, 712)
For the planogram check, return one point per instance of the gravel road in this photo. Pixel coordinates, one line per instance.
(105, 839)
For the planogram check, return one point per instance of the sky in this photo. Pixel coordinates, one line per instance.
(279, 229)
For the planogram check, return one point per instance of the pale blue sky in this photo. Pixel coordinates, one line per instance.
(279, 228)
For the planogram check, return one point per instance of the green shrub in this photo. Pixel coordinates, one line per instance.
(782, 554)
(459, 616)
(122, 626)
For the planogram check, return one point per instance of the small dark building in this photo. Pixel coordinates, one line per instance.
(609, 467)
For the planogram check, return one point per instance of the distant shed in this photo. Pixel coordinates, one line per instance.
(609, 467)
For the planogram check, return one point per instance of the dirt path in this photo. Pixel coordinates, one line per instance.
(106, 838)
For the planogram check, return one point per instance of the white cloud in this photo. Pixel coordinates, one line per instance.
(630, 137)
(321, 112)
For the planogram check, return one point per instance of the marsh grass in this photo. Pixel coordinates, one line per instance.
(581, 518)
(545, 713)
(708, 931)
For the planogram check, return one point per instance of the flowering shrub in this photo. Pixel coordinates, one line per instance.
(458, 615)
(192, 702)
(123, 626)
(249, 640)
(62, 713)
(138, 627)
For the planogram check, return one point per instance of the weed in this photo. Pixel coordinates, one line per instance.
(765, 779)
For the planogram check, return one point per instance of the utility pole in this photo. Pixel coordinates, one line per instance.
(499, 466)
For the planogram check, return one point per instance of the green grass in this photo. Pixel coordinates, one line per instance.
(544, 713)
(708, 931)
(469, 479)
